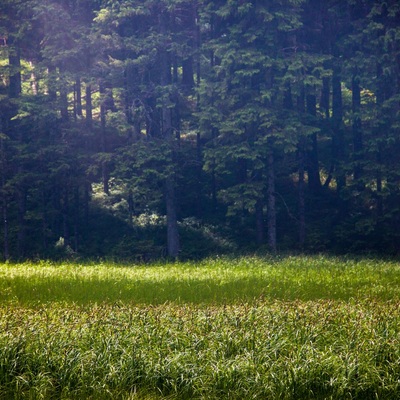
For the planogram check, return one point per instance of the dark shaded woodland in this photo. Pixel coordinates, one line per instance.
(143, 129)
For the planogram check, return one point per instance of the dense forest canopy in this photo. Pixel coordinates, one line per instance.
(140, 129)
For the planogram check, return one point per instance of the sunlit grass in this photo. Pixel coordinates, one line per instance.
(250, 328)
(212, 281)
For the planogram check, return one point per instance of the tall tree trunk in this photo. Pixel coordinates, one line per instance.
(34, 82)
(314, 179)
(325, 94)
(214, 183)
(301, 195)
(357, 132)
(6, 248)
(176, 118)
(379, 198)
(44, 218)
(188, 74)
(21, 195)
(271, 198)
(199, 148)
(301, 151)
(86, 197)
(65, 217)
(259, 222)
(199, 171)
(173, 245)
(381, 93)
(63, 96)
(325, 107)
(21, 236)
(78, 97)
(104, 164)
(337, 122)
(56, 216)
(89, 107)
(76, 218)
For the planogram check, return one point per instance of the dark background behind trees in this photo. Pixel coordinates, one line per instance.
(140, 129)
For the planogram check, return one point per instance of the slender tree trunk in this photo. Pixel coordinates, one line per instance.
(301, 194)
(325, 107)
(301, 151)
(89, 107)
(214, 184)
(78, 97)
(177, 108)
(173, 245)
(104, 164)
(44, 218)
(198, 80)
(21, 195)
(34, 82)
(325, 94)
(337, 121)
(63, 96)
(271, 211)
(6, 248)
(21, 237)
(87, 190)
(199, 170)
(14, 91)
(74, 109)
(379, 199)
(76, 218)
(314, 179)
(56, 217)
(357, 132)
(380, 98)
(199, 148)
(65, 217)
(187, 74)
(259, 222)
(198, 48)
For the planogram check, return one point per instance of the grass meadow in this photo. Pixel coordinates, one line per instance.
(247, 328)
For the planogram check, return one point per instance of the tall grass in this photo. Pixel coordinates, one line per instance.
(212, 281)
(296, 328)
(277, 350)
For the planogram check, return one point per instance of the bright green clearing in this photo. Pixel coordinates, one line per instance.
(249, 328)
(217, 281)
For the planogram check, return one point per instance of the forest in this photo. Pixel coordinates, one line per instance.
(142, 129)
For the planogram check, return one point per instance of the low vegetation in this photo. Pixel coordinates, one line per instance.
(263, 328)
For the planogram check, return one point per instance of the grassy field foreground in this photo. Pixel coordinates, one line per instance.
(251, 328)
